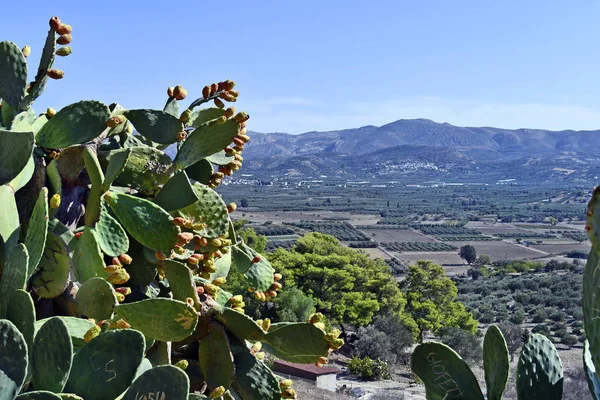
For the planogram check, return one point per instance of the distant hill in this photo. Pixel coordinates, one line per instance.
(424, 147)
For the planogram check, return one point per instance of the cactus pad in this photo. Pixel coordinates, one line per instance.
(141, 271)
(88, 261)
(52, 279)
(37, 231)
(39, 395)
(240, 324)
(21, 312)
(46, 61)
(253, 379)
(74, 124)
(77, 327)
(259, 274)
(165, 382)
(209, 210)
(13, 360)
(24, 176)
(539, 370)
(287, 346)
(116, 165)
(9, 223)
(111, 236)
(105, 366)
(215, 357)
(176, 193)
(444, 373)
(199, 117)
(209, 138)
(96, 299)
(148, 223)
(15, 150)
(13, 74)
(180, 281)
(158, 126)
(14, 275)
(52, 356)
(201, 171)
(161, 319)
(591, 305)
(590, 372)
(495, 362)
(147, 169)
(220, 158)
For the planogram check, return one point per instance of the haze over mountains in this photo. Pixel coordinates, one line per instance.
(420, 147)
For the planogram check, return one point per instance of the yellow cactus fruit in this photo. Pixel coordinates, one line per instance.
(266, 324)
(181, 364)
(314, 318)
(26, 51)
(170, 91)
(91, 333)
(64, 51)
(118, 277)
(219, 281)
(288, 394)
(286, 384)
(218, 392)
(256, 347)
(260, 355)
(109, 269)
(320, 325)
(120, 297)
(231, 207)
(50, 112)
(277, 277)
(55, 201)
(185, 116)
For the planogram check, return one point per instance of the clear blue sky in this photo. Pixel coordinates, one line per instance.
(322, 65)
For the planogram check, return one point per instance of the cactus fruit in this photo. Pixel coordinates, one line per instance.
(64, 51)
(64, 39)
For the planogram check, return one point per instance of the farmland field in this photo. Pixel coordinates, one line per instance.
(501, 250)
(396, 235)
(553, 248)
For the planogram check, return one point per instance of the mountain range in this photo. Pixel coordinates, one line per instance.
(421, 147)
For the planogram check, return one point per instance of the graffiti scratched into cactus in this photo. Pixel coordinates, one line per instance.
(124, 249)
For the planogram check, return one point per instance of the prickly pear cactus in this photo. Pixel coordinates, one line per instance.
(539, 370)
(124, 248)
(496, 363)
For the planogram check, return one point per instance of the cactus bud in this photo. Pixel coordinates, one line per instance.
(228, 84)
(193, 261)
(336, 344)
(91, 333)
(219, 281)
(234, 93)
(178, 250)
(64, 29)
(230, 112)
(160, 256)
(185, 237)
(170, 91)
(26, 51)
(286, 384)
(245, 138)
(55, 201)
(219, 103)
(55, 73)
(179, 92)
(120, 297)
(214, 88)
(203, 242)
(231, 207)
(288, 394)
(218, 392)
(237, 299)
(50, 112)
(216, 242)
(314, 318)
(64, 51)
(256, 259)
(185, 116)
(125, 259)
(276, 286)
(116, 261)
(78, 235)
(277, 277)
(272, 293)
(221, 120)
(55, 23)
(181, 136)
(181, 364)
(260, 355)
(118, 277)
(64, 39)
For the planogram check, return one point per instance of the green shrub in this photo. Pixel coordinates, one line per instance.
(368, 369)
